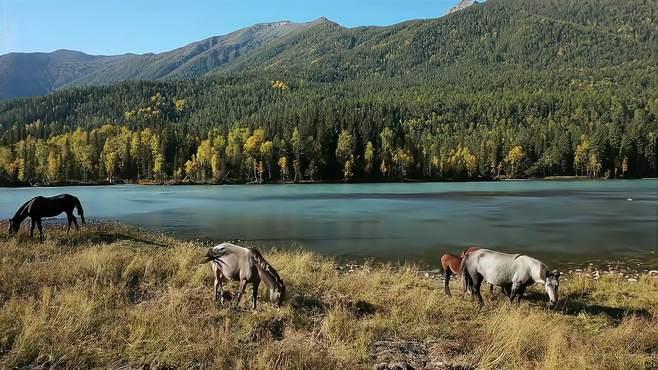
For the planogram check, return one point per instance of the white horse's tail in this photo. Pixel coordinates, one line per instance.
(465, 282)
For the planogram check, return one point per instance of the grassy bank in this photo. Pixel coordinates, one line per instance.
(113, 296)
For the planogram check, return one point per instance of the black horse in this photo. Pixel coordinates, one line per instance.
(40, 207)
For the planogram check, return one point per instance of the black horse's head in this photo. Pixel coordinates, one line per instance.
(13, 226)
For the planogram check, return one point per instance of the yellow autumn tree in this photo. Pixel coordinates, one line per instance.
(159, 167)
(280, 85)
(252, 151)
(53, 167)
(283, 166)
(267, 152)
(594, 166)
(514, 158)
(369, 156)
(581, 156)
(402, 161)
(192, 169)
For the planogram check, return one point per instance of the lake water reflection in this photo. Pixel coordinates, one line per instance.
(556, 220)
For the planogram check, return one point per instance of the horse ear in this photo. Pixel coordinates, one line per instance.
(556, 273)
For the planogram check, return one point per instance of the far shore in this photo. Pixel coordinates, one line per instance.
(279, 182)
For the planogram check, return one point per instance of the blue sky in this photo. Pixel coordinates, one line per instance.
(141, 26)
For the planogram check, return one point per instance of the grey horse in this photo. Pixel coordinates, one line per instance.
(512, 272)
(246, 265)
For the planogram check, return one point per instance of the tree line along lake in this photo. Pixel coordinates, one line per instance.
(560, 221)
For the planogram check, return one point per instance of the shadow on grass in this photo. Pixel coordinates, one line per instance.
(93, 232)
(576, 303)
(361, 309)
(273, 329)
(314, 305)
(308, 303)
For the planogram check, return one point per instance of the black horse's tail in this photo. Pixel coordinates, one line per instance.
(466, 281)
(81, 213)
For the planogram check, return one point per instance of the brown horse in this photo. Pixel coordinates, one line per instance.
(451, 266)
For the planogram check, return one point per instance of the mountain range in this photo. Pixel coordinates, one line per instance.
(522, 35)
(30, 74)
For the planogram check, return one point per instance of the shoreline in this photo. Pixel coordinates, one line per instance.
(629, 267)
(626, 268)
(306, 182)
(622, 271)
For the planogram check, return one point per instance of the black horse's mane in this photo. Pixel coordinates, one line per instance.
(21, 209)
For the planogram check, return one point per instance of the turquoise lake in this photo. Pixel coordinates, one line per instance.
(559, 221)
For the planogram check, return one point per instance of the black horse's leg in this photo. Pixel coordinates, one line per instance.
(446, 281)
(75, 222)
(243, 285)
(68, 219)
(254, 294)
(40, 229)
(34, 223)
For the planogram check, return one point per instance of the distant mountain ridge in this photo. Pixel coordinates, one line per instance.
(463, 4)
(31, 74)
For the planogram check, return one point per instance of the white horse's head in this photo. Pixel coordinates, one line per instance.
(278, 295)
(552, 283)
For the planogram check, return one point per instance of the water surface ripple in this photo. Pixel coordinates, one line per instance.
(556, 220)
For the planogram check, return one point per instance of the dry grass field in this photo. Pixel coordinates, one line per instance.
(115, 296)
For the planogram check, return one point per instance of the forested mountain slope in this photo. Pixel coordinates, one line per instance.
(506, 88)
(573, 36)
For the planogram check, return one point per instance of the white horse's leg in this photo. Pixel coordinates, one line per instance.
(519, 294)
(216, 290)
(254, 293)
(219, 291)
(478, 284)
(516, 287)
(243, 285)
(507, 290)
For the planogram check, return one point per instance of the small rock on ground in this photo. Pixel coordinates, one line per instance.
(393, 366)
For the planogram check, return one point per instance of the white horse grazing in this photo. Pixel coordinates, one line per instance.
(512, 272)
(246, 265)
